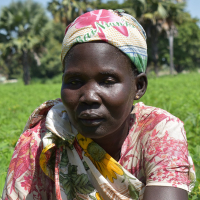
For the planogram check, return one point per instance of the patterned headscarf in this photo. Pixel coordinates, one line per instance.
(114, 27)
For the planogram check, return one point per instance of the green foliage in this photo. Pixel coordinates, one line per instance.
(65, 11)
(28, 39)
(24, 26)
(112, 4)
(180, 95)
(50, 61)
(186, 46)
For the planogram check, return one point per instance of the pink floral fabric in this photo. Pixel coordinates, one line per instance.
(155, 152)
(156, 149)
(25, 179)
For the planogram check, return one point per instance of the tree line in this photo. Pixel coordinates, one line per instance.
(30, 41)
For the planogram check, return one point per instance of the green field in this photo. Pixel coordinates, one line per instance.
(180, 95)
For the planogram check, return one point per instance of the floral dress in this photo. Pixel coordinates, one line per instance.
(53, 161)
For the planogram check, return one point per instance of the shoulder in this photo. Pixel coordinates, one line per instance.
(35, 126)
(149, 118)
(155, 124)
(40, 113)
(144, 113)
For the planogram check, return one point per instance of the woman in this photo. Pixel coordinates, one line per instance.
(94, 144)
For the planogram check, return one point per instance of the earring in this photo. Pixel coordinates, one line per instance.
(137, 97)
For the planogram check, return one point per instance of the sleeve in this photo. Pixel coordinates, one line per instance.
(166, 155)
(25, 179)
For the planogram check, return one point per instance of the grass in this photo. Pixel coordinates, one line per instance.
(17, 102)
(180, 95)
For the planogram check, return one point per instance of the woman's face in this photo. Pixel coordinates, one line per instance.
(98, 89)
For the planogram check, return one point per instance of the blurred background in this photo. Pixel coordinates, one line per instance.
(31, 34)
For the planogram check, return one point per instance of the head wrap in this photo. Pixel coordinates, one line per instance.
(114, 27)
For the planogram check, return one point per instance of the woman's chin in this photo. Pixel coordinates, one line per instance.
(93, 132)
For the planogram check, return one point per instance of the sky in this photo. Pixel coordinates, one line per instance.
(192, 6)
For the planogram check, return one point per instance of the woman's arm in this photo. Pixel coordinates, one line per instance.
(164, 193)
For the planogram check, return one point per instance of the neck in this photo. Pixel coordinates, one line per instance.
(113, 142)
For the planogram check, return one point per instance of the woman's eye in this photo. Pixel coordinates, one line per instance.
(109, 82)
(73, 83)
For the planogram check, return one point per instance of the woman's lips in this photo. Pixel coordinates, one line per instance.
(90, 119)
(91, 122)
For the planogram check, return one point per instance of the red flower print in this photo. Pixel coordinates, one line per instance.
(78, 149)
(27, 182)
(96, 16)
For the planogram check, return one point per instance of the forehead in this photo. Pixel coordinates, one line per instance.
(97, 54)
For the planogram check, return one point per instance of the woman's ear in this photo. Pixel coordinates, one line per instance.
(141, 85)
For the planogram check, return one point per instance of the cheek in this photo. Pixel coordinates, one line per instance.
(120, 100)
(69, 98)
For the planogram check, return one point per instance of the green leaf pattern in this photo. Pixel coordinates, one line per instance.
(72, 182)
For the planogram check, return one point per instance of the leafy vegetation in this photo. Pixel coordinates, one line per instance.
(180, 95)
(30, 42)
(25, 26)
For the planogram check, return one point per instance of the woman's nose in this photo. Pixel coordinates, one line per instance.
(90, 94)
